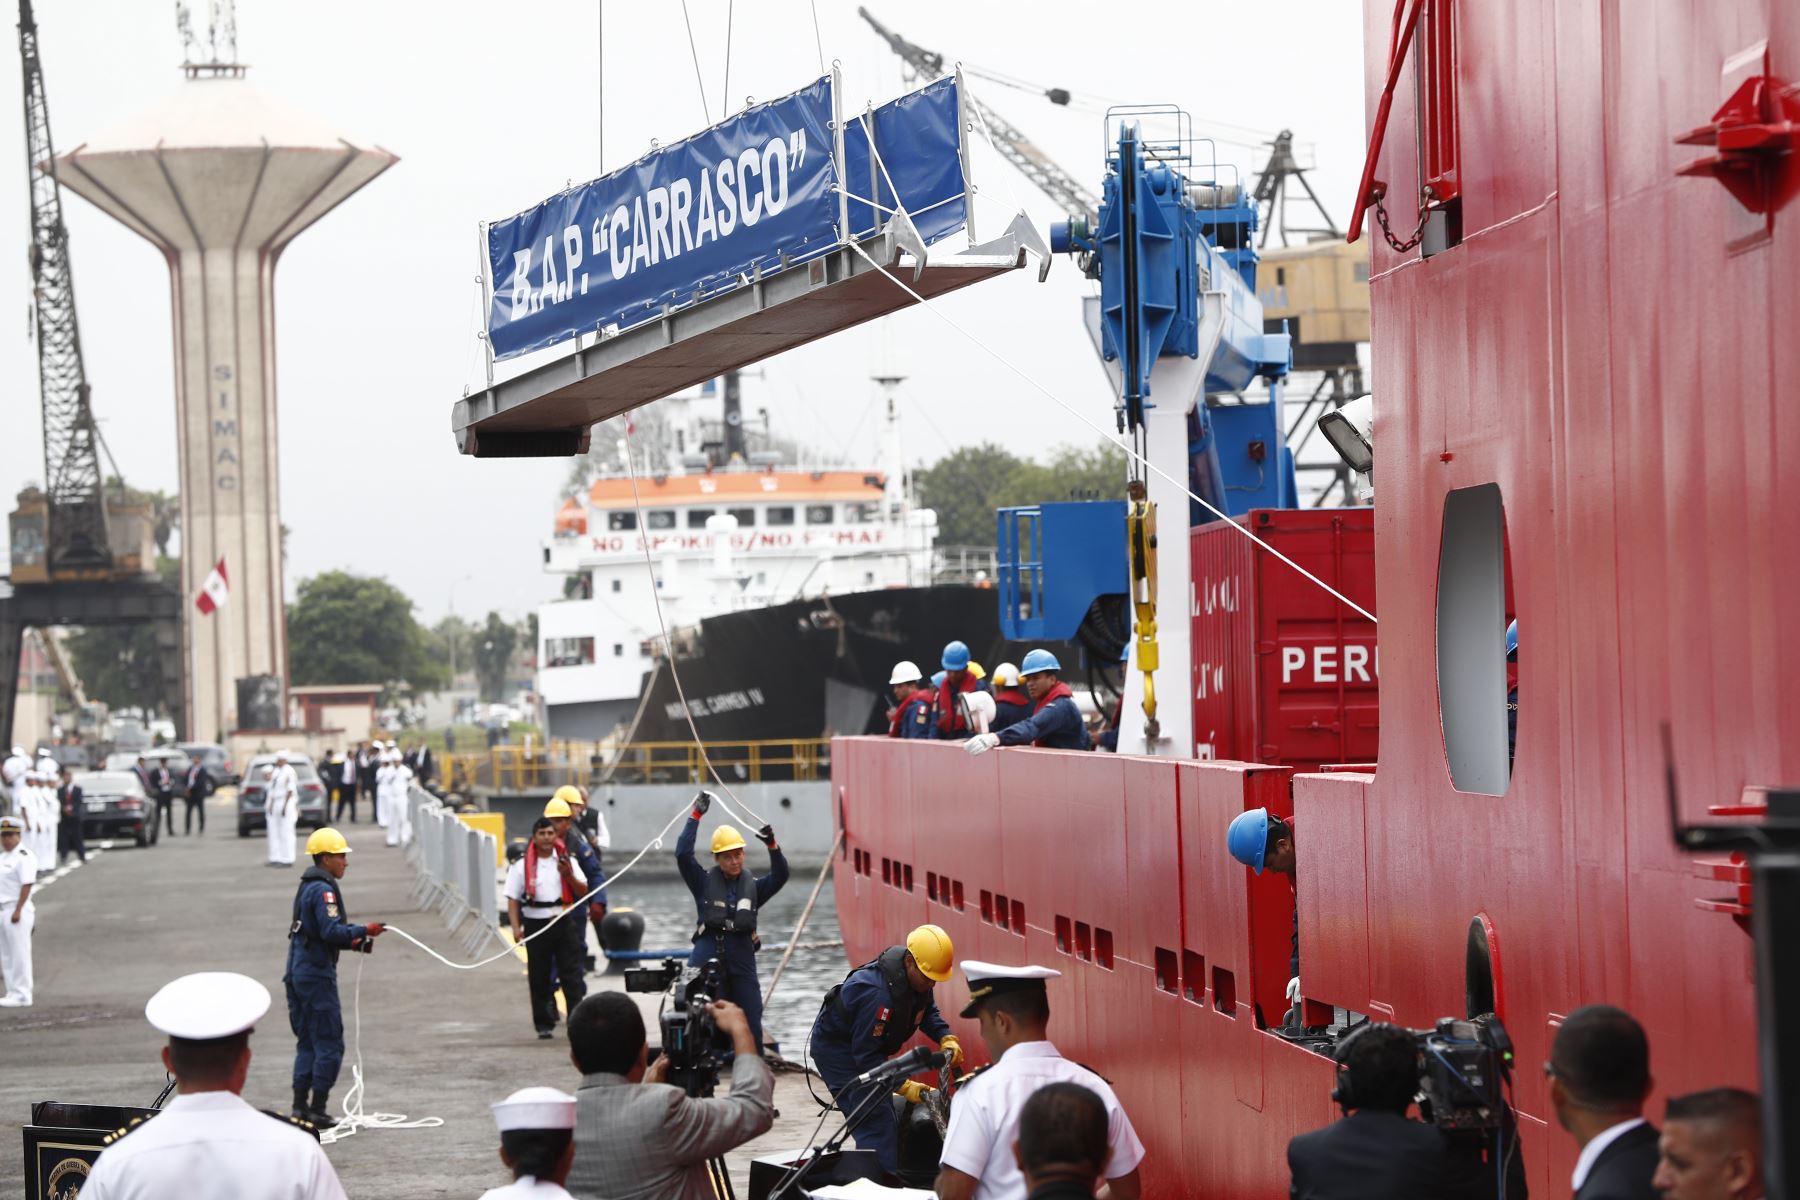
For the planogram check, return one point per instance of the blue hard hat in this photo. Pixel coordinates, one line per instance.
(1248, 838)
(1038, 660)
(956, 656)
(938, 679)
(1512, 640)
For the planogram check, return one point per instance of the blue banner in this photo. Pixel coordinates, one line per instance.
(685, 219)
(919, 137)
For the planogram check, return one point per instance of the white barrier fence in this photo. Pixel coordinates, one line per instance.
(456, 874)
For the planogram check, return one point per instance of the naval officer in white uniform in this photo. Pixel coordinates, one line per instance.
(207, 1143)
(1014, 1010)
(281, 810)
(537, 1140)
(18, 872)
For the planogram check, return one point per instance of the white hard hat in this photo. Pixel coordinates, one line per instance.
(905, 671)
(1006, 675)
(211, 1004)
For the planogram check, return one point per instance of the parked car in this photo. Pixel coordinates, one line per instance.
(173, 757)
(115, 806)
(213, 757)
(315, 804)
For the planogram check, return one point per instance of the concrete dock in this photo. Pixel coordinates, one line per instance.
(433, 1041)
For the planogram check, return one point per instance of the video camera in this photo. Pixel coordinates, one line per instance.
(1464, 1067)
(691, 1041)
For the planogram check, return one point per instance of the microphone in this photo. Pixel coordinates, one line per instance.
(916, 1059)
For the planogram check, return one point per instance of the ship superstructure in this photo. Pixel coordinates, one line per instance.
(729, 528)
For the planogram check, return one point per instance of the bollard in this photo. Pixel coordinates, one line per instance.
(623, 930)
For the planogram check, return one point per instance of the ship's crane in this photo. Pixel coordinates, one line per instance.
(1012, 143)
(79, 556)
(75, 535)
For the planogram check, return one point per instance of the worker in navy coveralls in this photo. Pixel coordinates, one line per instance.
(1055, 721)
(868, 1017)
(726, 928)
(319, 931)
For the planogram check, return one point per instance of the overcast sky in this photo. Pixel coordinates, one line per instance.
(493, 106)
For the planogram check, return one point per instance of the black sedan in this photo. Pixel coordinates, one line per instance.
(114, 805)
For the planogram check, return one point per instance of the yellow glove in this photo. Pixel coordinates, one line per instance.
(914, 1091)
(952, 1047)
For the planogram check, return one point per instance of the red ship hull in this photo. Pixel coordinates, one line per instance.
(1605, 343)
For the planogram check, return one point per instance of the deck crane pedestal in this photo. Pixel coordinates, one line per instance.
(82, 554)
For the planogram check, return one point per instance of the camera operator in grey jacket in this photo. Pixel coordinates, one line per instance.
(638, 1138)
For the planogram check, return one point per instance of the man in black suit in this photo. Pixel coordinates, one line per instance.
(1599, 1073)
(68, 831)
(1376, 1152)
(197, 786)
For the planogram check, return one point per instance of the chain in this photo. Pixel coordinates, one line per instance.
(1381, 218)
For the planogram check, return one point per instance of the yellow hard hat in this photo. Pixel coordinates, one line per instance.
(326, 841)
(558, 807)
(931, 949)
(725, 837)
(568, 794)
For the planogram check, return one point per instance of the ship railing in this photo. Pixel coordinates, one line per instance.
(518, 768)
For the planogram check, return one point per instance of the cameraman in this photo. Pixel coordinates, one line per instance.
(1376, 1152)
(636, 1137)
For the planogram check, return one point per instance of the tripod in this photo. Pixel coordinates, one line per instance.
(878, 1093)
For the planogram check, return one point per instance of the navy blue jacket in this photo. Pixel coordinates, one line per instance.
(1011, 705)
(313, 948)
(588, 860)
(1057, 725)
(915, 717)
(866, 999)
(739, 953)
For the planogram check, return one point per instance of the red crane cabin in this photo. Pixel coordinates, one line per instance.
(1583, 377)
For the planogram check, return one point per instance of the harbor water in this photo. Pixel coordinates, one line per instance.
(668, 911)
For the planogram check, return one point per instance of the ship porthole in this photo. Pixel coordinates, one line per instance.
(1471, 640)
(1481, 969)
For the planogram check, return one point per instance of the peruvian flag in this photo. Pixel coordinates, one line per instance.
(215, 591)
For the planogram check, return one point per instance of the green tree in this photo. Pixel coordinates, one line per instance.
(1073, 473)
(119, 665)
(345, 628)
(966, 487)
(964, 490)
(493, 650)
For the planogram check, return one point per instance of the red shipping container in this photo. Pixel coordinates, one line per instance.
(1283, 671)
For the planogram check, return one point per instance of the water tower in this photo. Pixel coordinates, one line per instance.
(221, 178)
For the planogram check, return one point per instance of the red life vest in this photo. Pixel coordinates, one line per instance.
(950, 718)
(531, 865)
(1017, 695)
(1057, 691)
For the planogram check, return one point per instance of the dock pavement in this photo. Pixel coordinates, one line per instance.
(433, 1041)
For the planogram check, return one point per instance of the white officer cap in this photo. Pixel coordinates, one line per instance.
(988, 979)
(211, 1004)
(11, 825)
(535, 1108)
(281, 756)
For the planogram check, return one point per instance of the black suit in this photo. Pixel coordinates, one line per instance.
(69, 839)
(1373, 1155)
(198, 788)
(1624, 1168)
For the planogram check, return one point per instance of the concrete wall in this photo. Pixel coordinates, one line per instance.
(800, 812)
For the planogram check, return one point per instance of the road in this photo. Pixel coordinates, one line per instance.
(434, 1041)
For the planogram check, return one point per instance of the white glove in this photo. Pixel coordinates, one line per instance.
(981, 743)
(1293, 990)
